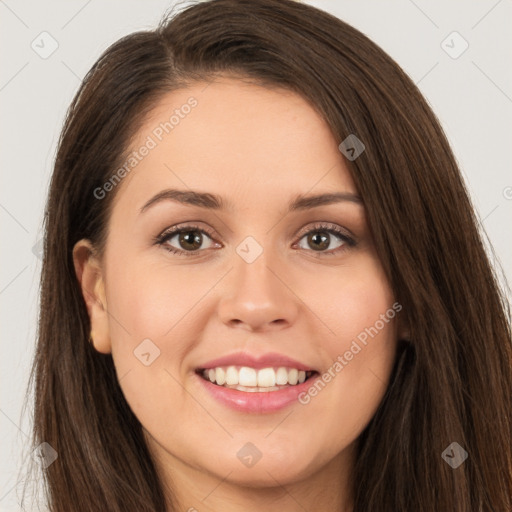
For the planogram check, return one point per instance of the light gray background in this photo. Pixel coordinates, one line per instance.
(471, 95)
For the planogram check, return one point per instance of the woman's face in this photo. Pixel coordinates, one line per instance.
(265, 273)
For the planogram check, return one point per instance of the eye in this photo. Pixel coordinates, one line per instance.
(320, 238)
(189, 239)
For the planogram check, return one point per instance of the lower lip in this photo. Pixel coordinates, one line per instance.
(258, 401)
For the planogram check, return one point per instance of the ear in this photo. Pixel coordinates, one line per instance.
(90, 276)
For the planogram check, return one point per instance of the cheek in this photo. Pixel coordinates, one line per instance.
(153, 324)
(347, 299)
(356, 303)
(151, 300)
(157, 312)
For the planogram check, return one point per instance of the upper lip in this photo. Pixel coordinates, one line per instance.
(268, 360)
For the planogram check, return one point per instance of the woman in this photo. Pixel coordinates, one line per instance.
(263, 285)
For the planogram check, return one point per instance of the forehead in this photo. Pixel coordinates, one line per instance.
(235, 139)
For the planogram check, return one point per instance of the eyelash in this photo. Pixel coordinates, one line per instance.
(323, 227)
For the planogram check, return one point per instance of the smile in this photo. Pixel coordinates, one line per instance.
(257, 391)
(247, 379)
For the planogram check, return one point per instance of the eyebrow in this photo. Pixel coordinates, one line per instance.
(215, 202)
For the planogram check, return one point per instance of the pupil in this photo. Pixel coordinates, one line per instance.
(323, 240)
(189, 238)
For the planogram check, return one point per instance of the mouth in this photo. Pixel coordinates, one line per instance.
(253, 380)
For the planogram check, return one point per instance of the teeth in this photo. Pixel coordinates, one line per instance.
(266, 377)
(250, 379)
(231, 376)
(247, 377)
(282, 376)
(220, 376)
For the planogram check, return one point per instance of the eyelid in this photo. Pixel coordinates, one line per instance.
(326, 226)
(184, 227)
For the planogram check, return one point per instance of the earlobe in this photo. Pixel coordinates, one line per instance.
(404, 333)
(90, 276)
(403, 330)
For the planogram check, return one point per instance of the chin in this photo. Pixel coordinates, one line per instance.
(273, 468)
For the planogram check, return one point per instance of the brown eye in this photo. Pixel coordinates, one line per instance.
(185, 240)
(190, 240)
(318, 240)
(323, 239)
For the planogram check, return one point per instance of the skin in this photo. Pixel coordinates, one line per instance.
(258, 148)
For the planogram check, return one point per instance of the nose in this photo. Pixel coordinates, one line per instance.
(258, 296)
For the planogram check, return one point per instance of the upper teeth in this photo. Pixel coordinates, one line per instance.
(246, 376)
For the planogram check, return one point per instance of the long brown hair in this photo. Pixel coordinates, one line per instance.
(452, 380)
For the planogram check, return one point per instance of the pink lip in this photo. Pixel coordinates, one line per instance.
(258, 401)
(268, 360)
